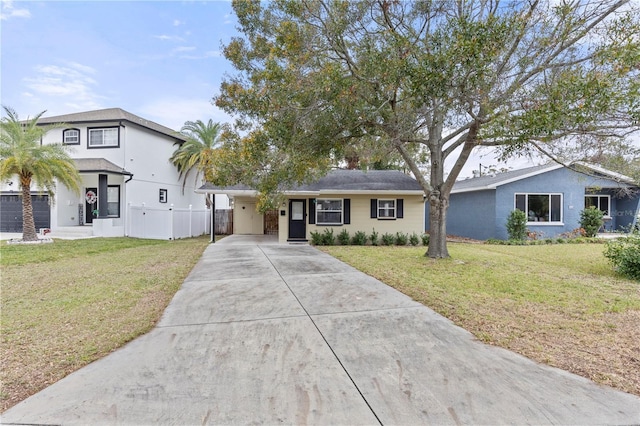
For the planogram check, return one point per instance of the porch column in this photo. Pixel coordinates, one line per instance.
(102, 196)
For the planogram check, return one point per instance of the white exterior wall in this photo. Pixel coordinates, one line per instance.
(141, 151)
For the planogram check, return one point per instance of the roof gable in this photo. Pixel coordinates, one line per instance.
(109, 115)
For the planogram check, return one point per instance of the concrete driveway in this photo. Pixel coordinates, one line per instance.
(263, 333)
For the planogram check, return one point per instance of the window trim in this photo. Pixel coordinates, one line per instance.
(395, 209)
(64, 136)
(90, 129)
(319, 210)
(119, 200)
(549, 194)
(607, 196)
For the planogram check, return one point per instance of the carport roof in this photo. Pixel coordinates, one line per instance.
(338, 181)
(99, 165)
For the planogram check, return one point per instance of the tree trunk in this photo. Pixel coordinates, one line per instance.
(28, 224)
(438, 206)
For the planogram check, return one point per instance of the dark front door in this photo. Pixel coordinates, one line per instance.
(297, 219)
(90, 204)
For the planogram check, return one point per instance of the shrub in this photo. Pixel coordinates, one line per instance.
(425, 239)
(316, 238)
(388, 239)
(328, 239)
(624, 254)
(359, 239)
(374, 238)
(517, 225)
(414, 240)
(344, 237)
(591, 220)
(401, 239)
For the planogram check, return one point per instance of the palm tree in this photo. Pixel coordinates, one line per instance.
(23, 155)
(198, 151)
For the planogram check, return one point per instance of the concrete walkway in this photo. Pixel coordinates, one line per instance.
(284, 334)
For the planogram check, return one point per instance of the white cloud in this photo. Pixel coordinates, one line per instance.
(174, 112)
(8, 11)
(177, 22)
(168, 37)
(71, 86)
(184, 49)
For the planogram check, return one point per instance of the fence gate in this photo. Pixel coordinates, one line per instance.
(271, 222)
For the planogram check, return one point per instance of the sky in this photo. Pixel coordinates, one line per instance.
(160, 60)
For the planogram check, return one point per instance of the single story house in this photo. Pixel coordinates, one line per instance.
(387, 201)
(126, 174)
(551, 195)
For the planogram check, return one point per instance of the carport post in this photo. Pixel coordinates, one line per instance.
(213, 219)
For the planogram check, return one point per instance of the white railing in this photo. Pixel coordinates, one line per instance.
(167, 223)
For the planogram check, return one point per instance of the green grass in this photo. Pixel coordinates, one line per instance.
(559, 304)
(71, 302)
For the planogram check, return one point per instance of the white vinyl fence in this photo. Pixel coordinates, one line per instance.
(167, 223)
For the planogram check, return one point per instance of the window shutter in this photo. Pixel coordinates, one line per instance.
(346, 207)
(399, 208)
(374, 208)
(312, 211)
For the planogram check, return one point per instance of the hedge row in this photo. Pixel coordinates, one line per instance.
(360, 238)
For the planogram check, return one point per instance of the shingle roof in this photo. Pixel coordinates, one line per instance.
(493, 181)
(99, 165)
(354, 181)
(111, 114)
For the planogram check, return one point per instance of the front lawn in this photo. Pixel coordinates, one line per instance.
(557, 304)
(69, 303)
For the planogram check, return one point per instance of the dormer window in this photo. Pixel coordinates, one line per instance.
(71, 137)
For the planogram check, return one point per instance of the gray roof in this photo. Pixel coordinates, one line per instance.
(99, 165)
(110, 115)
(493, 181)
(354, 181)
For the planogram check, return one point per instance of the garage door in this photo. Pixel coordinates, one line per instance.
(11, 212)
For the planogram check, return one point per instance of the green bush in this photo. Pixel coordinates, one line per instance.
(359, 239)
(316, 238)
(374, 238)
(517, 225)
(591, 220)
(624, 254)
(401, 239)
(388, 239)
(425, 239)
(344, 237)
(414, 240)
(328, 239)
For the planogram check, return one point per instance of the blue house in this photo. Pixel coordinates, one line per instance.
(552, 196)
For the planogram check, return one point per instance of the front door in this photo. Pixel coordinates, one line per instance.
(90, 204)
(297, 219)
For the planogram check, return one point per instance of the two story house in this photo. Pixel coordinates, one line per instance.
(123, 161)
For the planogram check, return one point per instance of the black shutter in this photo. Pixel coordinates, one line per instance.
(399, 208)
(312, 211)
(374, 208)
(346, 211)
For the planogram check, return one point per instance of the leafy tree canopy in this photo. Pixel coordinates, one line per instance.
(317, 77)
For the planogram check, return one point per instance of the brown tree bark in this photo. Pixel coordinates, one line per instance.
(28, 224)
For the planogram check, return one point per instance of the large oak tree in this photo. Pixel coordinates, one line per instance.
(317, 77)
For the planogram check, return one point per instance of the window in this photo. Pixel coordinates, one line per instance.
(540, 207)
(71, 137)
(386, 209)
(328, 212)
(103, 138)
(600, 202)
(163, 196)
(113, 201)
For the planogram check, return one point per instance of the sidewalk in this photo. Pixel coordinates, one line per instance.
(280, 334)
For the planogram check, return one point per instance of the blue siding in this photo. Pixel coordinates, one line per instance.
(472, 214)
(483, 214)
